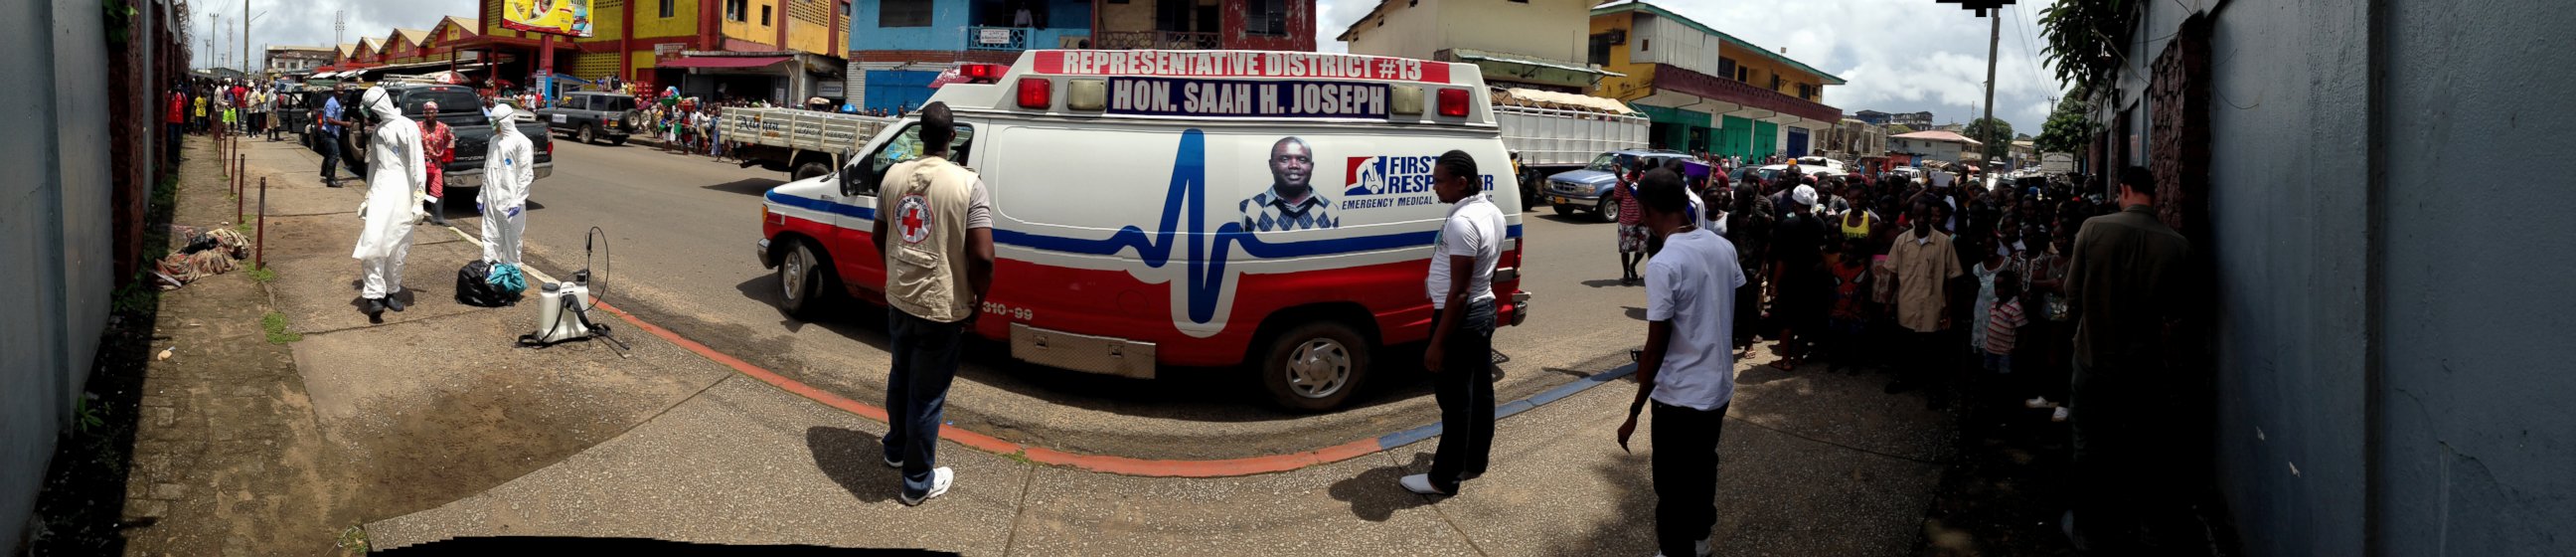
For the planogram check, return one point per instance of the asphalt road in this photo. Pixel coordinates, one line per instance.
(679, 232)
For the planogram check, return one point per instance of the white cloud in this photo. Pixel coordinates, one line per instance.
(308, 22)
(1332, 16)
(1899, 55)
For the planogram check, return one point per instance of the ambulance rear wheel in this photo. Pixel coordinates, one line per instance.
(1314, 366)
(803, 282)
(808, 170)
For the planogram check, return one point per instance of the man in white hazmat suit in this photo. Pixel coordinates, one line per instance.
(397, 184)
(507, 169)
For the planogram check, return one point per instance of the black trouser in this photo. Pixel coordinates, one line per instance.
(330, 154)
(171, 137)
(2125, 455)
(1685, 460)
(1464, 387)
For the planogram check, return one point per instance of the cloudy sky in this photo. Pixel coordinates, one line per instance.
(1898, 55)
(308, 22)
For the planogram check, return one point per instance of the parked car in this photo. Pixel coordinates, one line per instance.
(1588, 189)
(462, 110)
(590, 116)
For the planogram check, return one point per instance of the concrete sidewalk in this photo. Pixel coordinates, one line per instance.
(429, 414)
(1814, 463)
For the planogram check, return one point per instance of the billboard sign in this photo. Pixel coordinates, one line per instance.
(569, 18)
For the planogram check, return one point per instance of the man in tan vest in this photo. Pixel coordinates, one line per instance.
(935, 228)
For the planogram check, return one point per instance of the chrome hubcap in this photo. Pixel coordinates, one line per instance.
(1318, 368)
(792, 274)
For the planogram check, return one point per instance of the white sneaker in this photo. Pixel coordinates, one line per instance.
(2038, 402)
(939, 481)
(1700, 548)
(1419, 483)
(2058, 416)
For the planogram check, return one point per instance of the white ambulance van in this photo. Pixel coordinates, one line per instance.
(1263, 211)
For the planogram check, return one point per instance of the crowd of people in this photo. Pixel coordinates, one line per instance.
(2035, 287)
(218, 107)
(1841, 266)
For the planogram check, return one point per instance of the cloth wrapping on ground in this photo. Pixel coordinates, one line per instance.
(507, 277)
(188, 267)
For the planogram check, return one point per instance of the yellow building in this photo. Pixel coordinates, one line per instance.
(1538, 44)
(1705, 90)
(778, 50)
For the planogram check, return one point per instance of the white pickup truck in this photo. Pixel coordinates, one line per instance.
(1561, 132)
(802, 143)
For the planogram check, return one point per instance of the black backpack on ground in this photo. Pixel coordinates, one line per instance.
(474, 287)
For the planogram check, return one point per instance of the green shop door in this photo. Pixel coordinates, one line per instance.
(1735, 137)
(1766, 139)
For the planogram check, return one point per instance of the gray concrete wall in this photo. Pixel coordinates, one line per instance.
(54, 233)
(2465, 442)
(2289, 214)
(2477, 405)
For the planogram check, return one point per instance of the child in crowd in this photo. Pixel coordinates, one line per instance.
(2003, 321)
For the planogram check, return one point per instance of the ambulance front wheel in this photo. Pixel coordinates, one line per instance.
(803, 281)
(1314, 366)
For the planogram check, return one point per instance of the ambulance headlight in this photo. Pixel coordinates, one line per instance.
(1089, 94)
(1405, 100)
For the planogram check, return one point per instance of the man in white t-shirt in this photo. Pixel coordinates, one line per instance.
(1460, 358)
(1687, 368)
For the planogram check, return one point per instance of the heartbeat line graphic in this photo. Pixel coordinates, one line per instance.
(1209, 248)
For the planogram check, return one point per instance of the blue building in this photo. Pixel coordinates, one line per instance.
(898, 46)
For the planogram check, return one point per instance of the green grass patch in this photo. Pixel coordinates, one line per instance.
(275, 324)
(138, 296)
(89, 419)
(263, 274)
(353, 541)
(1021, 456)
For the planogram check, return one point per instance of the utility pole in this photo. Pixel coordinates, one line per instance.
(245, 38)
(1996, 20)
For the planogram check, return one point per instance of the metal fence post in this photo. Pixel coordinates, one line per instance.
(259, 259)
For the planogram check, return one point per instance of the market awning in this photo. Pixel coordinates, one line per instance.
(1480, 56)
(734, 62)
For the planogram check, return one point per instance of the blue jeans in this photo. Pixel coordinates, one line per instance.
(330, 154)
(925, 361)
(1998, 363)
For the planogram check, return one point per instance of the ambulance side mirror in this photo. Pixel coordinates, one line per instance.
(848, 179)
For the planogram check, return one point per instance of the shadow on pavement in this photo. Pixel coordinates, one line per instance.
(746, 186)
(1632, 531)
(1180, 393)
(854, 460)
(1374, 495)
(1576, 218)
(536, 545)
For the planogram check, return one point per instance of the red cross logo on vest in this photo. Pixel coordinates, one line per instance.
(914, 218)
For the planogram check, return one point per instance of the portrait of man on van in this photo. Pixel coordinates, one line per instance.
(1291, 202)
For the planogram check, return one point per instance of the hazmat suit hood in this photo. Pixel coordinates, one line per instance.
(502, 124)
(379, 103)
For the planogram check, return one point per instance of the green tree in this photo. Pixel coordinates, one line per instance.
(1899, 129)
(1998, 142)
(2067, 128)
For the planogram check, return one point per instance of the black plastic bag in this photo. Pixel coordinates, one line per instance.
(474, 287)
